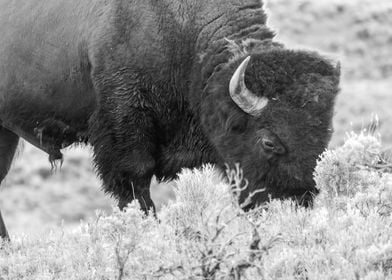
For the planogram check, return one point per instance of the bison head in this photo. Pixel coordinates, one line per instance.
(271, 112)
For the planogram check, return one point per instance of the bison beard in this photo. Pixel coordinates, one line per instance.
(157, 86)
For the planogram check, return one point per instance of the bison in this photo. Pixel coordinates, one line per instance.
(160, 85)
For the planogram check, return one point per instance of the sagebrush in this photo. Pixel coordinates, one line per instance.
(204, 234)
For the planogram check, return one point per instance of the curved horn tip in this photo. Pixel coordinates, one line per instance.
(244, 63)
(246, 60)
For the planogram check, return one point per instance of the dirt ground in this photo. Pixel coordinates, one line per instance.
(356, 32)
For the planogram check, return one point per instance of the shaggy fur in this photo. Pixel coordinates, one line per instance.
(146, 84)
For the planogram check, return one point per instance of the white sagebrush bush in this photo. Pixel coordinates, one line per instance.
(338, 172)
(138, 245)
(352, 174)
(210, 225)
(201, 195)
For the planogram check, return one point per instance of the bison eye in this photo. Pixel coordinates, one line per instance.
(268, 145)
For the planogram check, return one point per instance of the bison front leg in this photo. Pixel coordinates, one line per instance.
(123, 138)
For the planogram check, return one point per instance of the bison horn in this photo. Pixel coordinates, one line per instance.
(242, 96)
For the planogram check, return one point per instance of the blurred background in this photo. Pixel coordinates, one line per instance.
(356, 32)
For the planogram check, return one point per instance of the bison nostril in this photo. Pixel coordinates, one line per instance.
(268, 145)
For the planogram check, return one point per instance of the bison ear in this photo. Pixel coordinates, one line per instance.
(242, 96)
